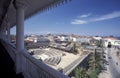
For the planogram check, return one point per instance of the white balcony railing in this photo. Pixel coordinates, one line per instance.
(31, 67)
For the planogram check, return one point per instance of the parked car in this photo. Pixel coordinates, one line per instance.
(107, 63)
(104, 56)
(116, 63)
(110, 57)
(104, 68)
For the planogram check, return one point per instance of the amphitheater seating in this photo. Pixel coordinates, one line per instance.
(52, 57)
(38, 52)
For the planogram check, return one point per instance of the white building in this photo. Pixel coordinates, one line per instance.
(97, 38)
(80, 39)
(113, 41)
(64, 38)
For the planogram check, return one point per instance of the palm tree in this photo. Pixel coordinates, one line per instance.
(81, 73)
(91, 62)
(94, 74)
(77, 73)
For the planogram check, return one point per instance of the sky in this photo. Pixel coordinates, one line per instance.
(81, 17)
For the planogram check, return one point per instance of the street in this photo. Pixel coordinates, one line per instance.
(114, 62)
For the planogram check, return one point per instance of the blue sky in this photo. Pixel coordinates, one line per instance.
(83, 17)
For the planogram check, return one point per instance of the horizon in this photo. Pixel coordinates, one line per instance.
(54, 34)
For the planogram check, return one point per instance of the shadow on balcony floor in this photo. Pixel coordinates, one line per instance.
(7, 65)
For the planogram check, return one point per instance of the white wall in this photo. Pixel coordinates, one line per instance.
(113, 42)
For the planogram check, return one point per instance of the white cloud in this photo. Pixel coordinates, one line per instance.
(85, 15)
(77, 21)
(107, 16)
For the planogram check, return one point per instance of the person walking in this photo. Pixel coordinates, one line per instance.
(109, 45)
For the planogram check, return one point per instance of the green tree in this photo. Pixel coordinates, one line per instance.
(74, 49)
(99, 43)
(81, 73)
(95, 65)
(77, 73)
(94, 74)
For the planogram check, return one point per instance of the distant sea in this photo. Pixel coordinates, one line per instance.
(118, 38)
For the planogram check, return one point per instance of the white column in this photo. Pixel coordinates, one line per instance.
(0, 34)
(20, 29)
(19, 34)
(4, 33)
(8, 34)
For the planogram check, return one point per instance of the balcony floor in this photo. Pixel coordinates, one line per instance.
(7, 65)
